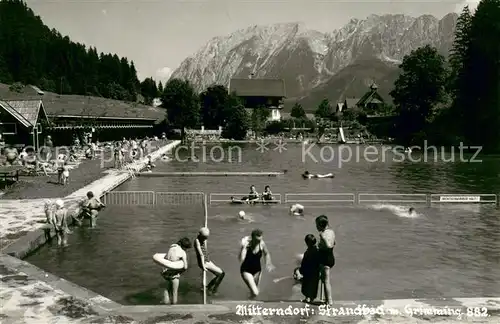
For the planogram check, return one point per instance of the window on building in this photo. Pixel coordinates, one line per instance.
(8, 128)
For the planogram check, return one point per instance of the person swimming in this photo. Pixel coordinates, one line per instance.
(307, 175)
(297, 210)
(241, 215)
(411, 211)
(267, 194)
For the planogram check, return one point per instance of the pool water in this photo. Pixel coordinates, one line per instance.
(445, 251)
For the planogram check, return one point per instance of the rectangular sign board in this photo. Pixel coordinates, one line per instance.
(459, 199)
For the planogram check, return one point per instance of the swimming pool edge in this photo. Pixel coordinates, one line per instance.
(105, 307)
(34, 239)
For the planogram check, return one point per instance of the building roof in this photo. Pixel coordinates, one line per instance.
(351, 102)
(29, 109)
(258, 87)
(14, 113)
(287, 115)
(371, 96)
(85, 106)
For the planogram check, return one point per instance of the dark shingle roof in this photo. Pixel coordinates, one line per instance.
(14, 113)
(29, 109)
(85, 106)
(258, 87)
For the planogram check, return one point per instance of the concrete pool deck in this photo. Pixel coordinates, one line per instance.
(30, 295)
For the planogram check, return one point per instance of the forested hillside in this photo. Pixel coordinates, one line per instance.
(32, 53)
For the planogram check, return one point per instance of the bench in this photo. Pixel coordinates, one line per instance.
(10, 172)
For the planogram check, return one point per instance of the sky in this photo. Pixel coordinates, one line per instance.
(159, 34)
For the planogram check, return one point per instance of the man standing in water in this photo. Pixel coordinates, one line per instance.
(91, 207)
(204, 262)
(325, 254)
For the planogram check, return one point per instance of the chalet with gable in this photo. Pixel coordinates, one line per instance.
(254, 93)
(68, 116)
(371, 102)
(22, 122)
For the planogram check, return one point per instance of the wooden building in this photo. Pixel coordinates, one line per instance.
(71, 116)
(23, 123)
(254, 93)
(371, 102)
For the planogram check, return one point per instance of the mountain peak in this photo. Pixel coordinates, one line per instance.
(307, 58)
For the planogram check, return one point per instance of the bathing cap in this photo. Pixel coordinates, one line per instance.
(241, 213)
(204, 231)
(59, 203)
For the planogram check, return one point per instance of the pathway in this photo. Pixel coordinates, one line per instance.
(18, 217)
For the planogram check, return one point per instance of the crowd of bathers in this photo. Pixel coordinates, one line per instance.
(316, 263)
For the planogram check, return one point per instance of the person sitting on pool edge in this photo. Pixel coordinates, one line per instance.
(307, 175)
(252, 197)
(149, 164)
(177, 252)
(204, 262)
(267, 194)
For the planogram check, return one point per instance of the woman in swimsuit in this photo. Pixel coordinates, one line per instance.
(252, 250)
(325, 254)
(267, 194)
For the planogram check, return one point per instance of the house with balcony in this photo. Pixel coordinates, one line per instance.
(255, 93)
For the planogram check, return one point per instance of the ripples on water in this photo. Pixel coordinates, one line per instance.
(445, 251)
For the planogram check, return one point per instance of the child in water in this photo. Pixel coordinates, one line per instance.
(309, 270)
(177, 252)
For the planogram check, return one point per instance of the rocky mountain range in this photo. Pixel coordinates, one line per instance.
(318, 65)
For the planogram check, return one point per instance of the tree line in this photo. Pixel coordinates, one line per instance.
(442, 101)
(32, 53)
(456, 100)
(445, 101)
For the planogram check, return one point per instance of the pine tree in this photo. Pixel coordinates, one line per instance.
(478, 96)
(324, 110)
(31, 53)
(297, 111)
(160, 88)
(460, 47)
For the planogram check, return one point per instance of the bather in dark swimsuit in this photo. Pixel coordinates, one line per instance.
(251, 264)
(267, 196)
(326, 257)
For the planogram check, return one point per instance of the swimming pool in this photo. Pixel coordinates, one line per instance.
(446, 251)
